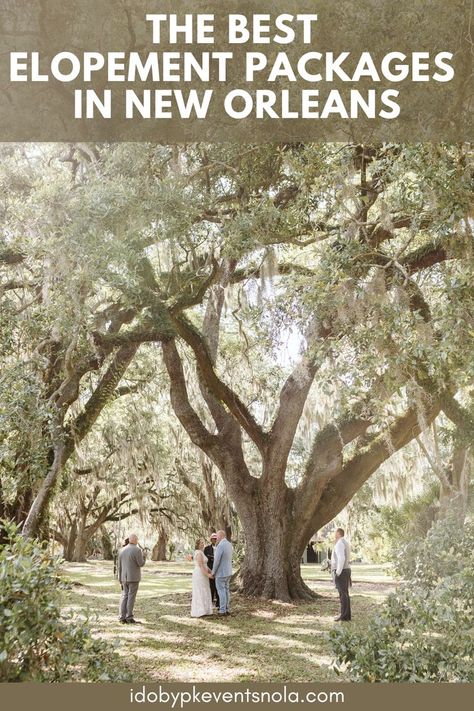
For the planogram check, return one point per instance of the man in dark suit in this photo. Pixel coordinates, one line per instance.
(209, 552)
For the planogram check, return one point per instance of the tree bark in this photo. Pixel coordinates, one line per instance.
(71, 542)
(80, 550)
(271, 567)
(40, 504)
(159, 549)
(106, 542)
(84, 535)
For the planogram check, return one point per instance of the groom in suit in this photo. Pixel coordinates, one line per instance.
(222, 571)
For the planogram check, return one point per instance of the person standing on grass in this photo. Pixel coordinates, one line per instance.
(130, 562)
(222, 571)
(201, 600)
(209, 553)
(341, 570)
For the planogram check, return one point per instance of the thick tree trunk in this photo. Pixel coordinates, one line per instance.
(82, 540)
(273, 571)
(159, 549)
(80, 550)
(106, 542)
(271, 567)
(79, 536)
(71, 542)
(40, 505)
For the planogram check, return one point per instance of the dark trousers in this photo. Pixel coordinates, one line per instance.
(214, 593)
(342, 584)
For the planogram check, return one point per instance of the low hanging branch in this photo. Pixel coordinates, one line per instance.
(104, 391)
(64, 443)
(346, 480)
(188, 417)
(217, 387)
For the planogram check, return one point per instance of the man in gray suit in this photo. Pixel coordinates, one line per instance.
(130, 562)
(222, 571)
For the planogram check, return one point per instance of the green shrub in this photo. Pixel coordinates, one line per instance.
(37, 642)
(424, 631)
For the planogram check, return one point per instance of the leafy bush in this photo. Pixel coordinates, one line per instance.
(410, 521)
(37, 643)
(424, 631)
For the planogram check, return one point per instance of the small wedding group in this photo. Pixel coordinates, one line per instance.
(211, 576)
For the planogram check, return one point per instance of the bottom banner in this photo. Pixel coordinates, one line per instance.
(213, 697)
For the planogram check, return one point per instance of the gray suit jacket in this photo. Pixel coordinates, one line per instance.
(130, 562)
(222, 567)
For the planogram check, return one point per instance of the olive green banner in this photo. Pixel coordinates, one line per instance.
(216, 697)
(240, 70)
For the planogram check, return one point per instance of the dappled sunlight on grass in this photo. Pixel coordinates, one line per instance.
(264, 614)
(319, 660)
(318, 625)
(376, 596)
(216, 628)
(261, 641)
(276, 641)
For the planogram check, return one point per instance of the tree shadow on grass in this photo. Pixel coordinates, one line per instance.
(261, 641)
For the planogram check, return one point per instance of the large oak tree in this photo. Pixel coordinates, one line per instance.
(360, 256)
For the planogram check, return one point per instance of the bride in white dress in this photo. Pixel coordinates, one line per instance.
(201, 602)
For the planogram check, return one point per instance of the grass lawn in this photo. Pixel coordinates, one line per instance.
(261, 641)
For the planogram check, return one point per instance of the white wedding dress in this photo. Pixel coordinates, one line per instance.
(201, 602)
